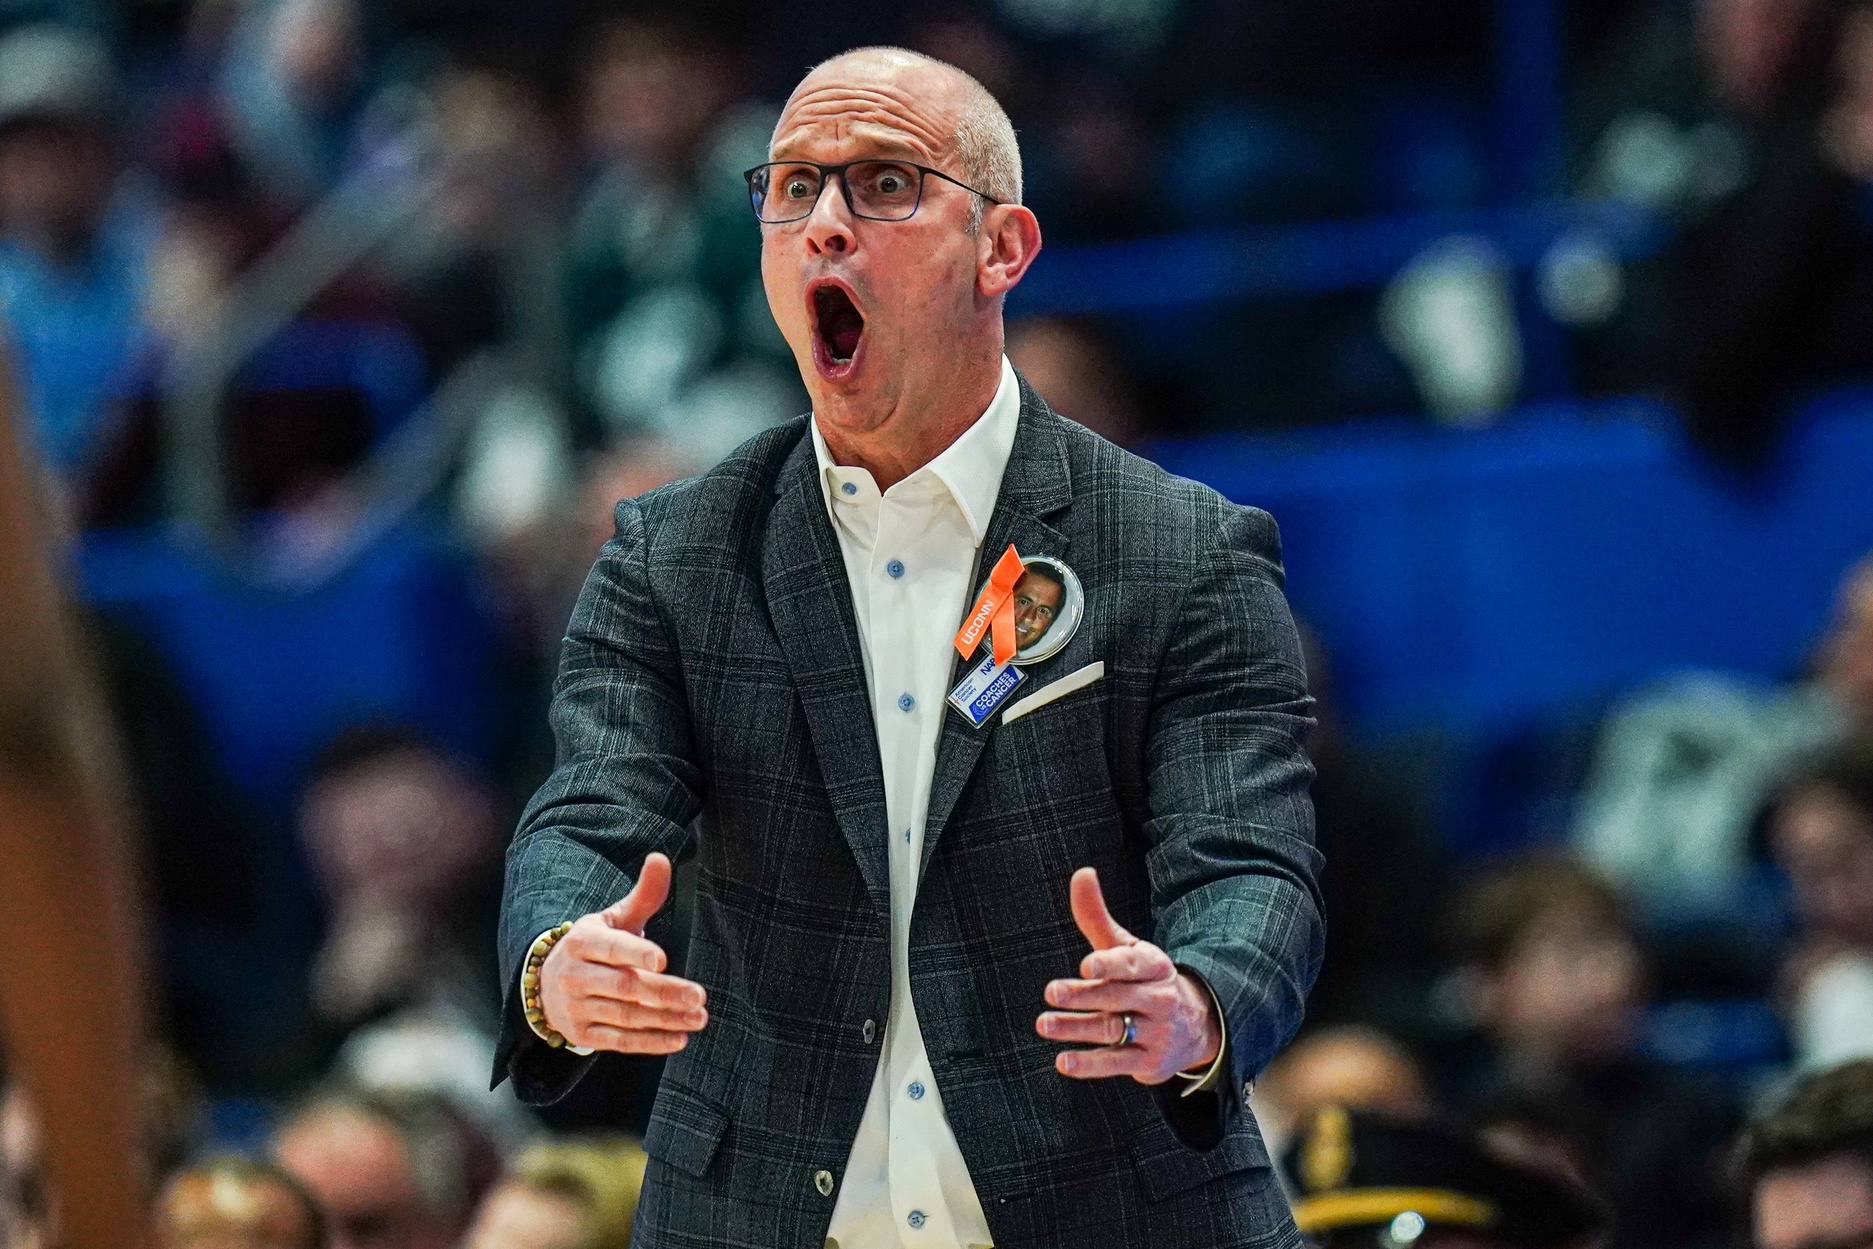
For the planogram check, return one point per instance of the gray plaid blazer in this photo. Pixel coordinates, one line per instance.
(712, 699)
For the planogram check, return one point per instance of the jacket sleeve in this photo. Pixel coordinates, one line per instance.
(625, 783)
(1234, 873)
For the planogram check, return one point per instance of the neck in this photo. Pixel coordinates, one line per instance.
(894, 438)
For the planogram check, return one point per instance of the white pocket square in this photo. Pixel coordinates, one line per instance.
(1057, 689)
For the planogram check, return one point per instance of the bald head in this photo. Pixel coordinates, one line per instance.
(974, 128)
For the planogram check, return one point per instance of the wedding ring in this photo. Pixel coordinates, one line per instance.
(1131, 1032)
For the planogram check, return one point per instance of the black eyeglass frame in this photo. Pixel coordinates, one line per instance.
(827, 172)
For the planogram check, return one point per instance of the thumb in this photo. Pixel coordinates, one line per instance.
(631, 912)
(1090, 913)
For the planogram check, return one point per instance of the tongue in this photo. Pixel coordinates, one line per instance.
(840, 323)
(843, 334)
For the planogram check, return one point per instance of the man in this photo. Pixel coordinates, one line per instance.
(888, 922)
(1807, 1167)
(389, 1171)
(237, 1203)
(1356, 1067)
(566, 1193)
(71, 269)
(1821, 832)
(1037, 604)
(1561, 984)
(1371, 1181)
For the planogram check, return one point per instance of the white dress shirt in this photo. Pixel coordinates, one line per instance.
(910, 555)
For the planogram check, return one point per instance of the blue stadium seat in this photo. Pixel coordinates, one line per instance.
(378, 359)
(401, 634)
(1483, 594)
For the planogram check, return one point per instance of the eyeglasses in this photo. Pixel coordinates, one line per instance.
(877, 190)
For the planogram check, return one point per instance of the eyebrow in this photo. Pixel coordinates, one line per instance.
(887, 149)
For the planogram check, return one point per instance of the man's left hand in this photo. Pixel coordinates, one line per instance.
(1173, 1016)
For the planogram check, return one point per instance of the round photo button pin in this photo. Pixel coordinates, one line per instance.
(1048, 605)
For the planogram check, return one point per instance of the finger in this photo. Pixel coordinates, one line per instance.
(1152, 997)
(1102, 1063)
(1090, 913)
(1081, 1027)
(600, 1036)
(620, 949)
(1143, 961)
(632, 1015)
(631, 912)
(640, 988)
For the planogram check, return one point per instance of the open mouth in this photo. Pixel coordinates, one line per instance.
(838, 326)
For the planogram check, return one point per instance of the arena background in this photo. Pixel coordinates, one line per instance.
(1542, 327)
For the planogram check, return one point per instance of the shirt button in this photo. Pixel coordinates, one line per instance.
(915, 1090)
(822, 1180)
(905, 702)
(850, 487)
(868, 1030)
(895, 568)
(916, 1218)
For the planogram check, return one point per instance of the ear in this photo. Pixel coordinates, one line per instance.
(1006, 244)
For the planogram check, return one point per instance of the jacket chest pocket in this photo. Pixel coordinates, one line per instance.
(1048, 771)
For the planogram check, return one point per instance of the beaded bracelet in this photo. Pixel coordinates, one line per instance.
(530, 986)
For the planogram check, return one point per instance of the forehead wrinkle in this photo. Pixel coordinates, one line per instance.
(845, 109)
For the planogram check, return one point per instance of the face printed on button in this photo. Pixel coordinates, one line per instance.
(1048, 603)
(1037, 603)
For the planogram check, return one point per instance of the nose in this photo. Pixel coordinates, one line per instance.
(829, 229)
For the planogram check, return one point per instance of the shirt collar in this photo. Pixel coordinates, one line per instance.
(971, 468)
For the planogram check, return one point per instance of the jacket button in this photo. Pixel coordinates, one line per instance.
(868, 1030)
(1248, 1089)
(822, 1180)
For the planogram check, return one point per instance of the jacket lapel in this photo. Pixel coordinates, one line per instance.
(810, 602)
(1035, 486)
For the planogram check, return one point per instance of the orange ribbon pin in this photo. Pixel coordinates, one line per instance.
(994, 611)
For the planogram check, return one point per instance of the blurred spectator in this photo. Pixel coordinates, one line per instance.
(1672, 111)
(1844, 666)
(669, 320)
(1559, 983)
(1080, 373)
(1099, 154)
(1370, 1181)
(70, 266)
(403, 841)
(1384, 881)
(295, 81)
(578, 1193)
(1683, 770)
(545, 564)
(480, 264)
(1822, 833)
(237, 1203)
(1358, 1068)
(205, 851)
(1775, 284)
(389, 1171)
(25, 1205)
(1807, 1165)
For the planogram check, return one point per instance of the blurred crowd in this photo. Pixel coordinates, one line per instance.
(287, 283)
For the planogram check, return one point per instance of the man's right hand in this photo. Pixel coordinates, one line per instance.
(603, 985)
